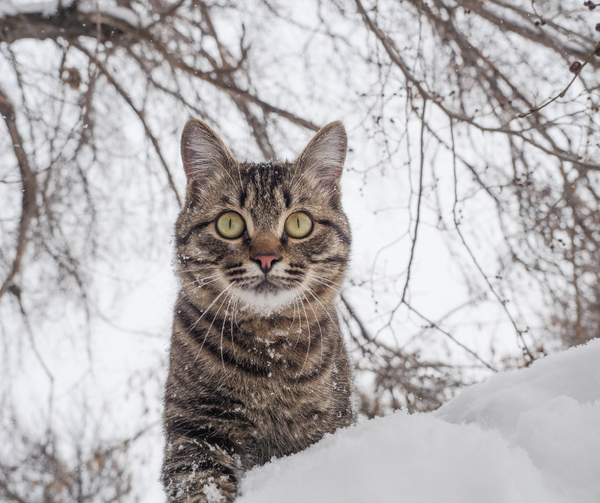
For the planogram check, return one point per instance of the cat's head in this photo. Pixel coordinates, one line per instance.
(265, 236)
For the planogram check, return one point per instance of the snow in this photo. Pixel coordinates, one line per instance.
(109, 9)
(50, 7)
(46, 8)
(526, 436)
(212, 493)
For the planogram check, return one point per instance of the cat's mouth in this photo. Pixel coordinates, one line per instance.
(266, 296)
(265, 283)
(267, 286)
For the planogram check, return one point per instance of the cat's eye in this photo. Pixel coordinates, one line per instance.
(298, 225)
(230, 225)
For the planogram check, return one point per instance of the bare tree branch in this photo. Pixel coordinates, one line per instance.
(28, 204)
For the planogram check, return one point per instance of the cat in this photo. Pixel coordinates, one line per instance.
(258, 367)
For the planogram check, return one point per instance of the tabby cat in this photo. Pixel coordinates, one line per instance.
(258, 366)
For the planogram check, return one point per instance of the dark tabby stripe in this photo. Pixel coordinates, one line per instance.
(235, 272)
(294, 272)
(204, 463)
(237, 265)
(287, 197)
(338, 230)
(330, 260)
(191, 429)
(183, 240)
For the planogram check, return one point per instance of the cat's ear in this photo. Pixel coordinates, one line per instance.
(322, 161)
(205, 156)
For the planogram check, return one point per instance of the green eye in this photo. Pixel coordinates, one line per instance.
(230, 225)
(298, 225)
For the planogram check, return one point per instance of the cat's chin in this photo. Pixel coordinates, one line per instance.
(265, 299)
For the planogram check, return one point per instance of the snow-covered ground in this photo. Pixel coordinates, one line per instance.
(526, 436)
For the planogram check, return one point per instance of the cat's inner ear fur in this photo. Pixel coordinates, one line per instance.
(322, 161)
(205, 157)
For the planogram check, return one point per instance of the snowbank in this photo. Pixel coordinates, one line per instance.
(527, 436)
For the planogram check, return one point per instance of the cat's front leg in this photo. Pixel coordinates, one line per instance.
(197, 469)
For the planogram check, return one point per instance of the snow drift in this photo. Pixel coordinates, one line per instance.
(526, 436)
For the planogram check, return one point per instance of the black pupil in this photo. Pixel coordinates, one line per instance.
(298, 222)
(230, 223)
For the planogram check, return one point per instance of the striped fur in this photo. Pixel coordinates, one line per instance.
(258, 366)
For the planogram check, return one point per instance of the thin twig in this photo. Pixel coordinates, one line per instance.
(140, 115)
(529, 356)
(395, 56)
(419, 197)
(447, 334)
(564, 91)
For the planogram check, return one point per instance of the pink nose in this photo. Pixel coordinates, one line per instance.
(266, 261)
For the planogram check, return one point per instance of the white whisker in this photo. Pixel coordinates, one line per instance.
(321, 304)
(234, 313)
(296, 303)
(223, 329)
(214, 318)
(337, 290)
(211, 304)
(308, 346)
(316, 318)
(294, 314)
